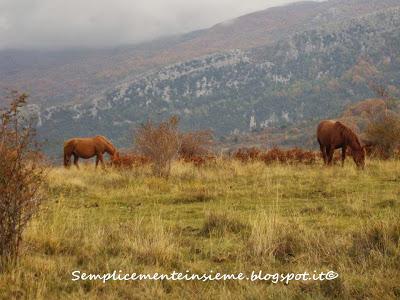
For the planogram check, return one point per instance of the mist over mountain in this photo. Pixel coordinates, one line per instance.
(280, 67)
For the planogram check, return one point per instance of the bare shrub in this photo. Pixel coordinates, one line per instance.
(21, 176)
(383, 134)
(160, 143)
(195, 144)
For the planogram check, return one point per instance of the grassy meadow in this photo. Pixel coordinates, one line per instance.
(227, 216)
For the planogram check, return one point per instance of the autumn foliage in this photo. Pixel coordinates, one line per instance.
(131, 159)
(290, 156)
(160, 143)
(196, 144)
(21, 177)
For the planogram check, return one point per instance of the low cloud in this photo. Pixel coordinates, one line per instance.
(94, 23)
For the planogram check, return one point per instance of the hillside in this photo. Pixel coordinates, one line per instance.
(285, 67)
(296, 81)
(77, 75)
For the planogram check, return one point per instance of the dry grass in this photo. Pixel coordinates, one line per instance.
(228, 217)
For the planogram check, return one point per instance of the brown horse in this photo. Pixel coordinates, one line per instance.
(87, 148)
(333, 135)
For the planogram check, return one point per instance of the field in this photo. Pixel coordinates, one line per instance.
(227, 216)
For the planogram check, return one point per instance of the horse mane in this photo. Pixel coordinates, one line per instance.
(348, 133)
(104, 139)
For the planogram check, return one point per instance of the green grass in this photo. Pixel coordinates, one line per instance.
(228, 217)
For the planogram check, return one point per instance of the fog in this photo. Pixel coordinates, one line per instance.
(96, 23)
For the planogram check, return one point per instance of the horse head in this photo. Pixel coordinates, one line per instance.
(359, 157)
(115, 158)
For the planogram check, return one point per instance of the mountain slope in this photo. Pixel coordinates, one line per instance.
(310, 75)
(55, 77)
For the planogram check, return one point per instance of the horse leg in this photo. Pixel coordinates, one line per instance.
(76, 158)
(323, 151)
(67, 160)
(330, 150)
(101, 160)
(343, 155)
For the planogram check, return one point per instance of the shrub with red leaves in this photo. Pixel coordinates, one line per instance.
(130, 160)
(195, 144)
(290, 156)
(247, 154)
(22, 175)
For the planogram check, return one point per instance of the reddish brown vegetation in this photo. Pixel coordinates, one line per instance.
(130, 160)
(160, 143)
(295, 155)
(247, 154)
(195, 144)
(290, 156)
(196, 148)
(21, 176)
(376, 151)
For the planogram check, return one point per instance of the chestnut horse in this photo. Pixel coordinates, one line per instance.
(87, 148)
(333, 135)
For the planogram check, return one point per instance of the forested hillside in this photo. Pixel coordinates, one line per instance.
(311, 75)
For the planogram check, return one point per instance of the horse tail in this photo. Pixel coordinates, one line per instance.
(66, 160)
(68, 149)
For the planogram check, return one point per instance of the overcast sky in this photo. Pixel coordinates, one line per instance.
(93, 23)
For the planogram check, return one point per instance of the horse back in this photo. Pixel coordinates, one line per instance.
(326, 131)
(104, 142)
(69, 146)
(78, 142)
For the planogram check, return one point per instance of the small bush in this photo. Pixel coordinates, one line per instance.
(383, 134)
(195, 144)
(21, 176)
(160, 143)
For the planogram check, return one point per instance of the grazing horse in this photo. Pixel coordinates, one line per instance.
(87, 148)
(333, 135)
